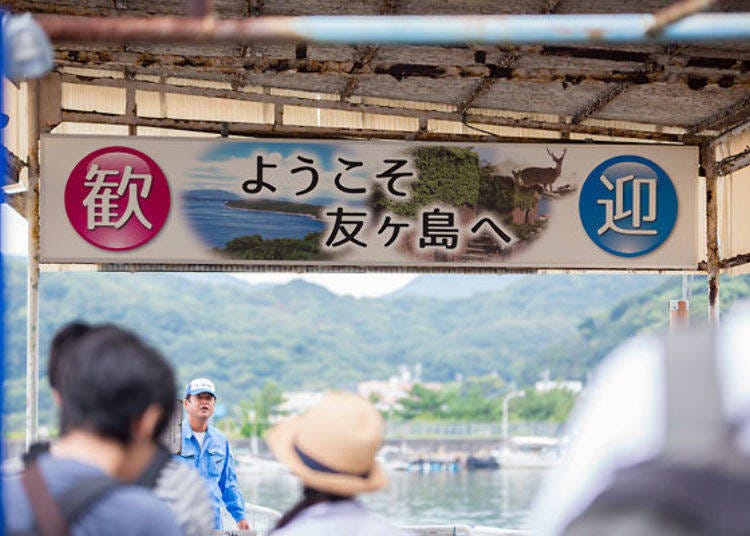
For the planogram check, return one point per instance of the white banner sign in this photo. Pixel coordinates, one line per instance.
(362, 203)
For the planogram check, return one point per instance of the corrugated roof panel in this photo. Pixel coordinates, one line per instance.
(109, 100)
(425, 55)
(303, 116)
(172, 105)
(559, 98)
(319, 83)
(470, 7)
(444, 90)
(671, 104)
(92, 129)
(456, 127)
(319, 7)
(172, 133)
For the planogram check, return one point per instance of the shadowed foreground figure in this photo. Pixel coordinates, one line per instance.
(149, 463)
(661, 440)
(332, 449)
(116, 393)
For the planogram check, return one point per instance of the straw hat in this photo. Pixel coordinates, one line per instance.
(332, 447)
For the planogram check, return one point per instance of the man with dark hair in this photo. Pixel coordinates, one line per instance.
(63, 340)
(116, 393)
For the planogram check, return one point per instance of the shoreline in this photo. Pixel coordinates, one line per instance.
(286, 213)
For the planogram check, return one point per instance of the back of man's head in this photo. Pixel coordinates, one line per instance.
(108, 378)
(61, 344)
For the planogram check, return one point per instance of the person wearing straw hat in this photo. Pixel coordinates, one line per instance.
(332, 449)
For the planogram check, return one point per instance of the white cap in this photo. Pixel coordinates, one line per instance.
(200, 385)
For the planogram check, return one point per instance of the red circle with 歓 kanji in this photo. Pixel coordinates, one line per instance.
(117, 198)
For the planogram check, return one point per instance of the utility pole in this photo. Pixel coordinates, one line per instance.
(506, 402)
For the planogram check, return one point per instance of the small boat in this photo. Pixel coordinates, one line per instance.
(531, 452)
(434, 465)
(476, 463)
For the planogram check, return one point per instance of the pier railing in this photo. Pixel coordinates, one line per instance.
(462, 530)
(468, 430)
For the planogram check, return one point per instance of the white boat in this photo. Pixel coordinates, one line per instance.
(249, 464)
(531, 452)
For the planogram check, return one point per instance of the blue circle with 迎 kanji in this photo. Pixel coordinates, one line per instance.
(594, 213)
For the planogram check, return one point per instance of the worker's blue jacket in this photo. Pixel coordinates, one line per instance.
(215, 464)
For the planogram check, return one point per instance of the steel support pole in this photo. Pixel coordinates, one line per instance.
(32, 290)
(679, 314)
(713, 261)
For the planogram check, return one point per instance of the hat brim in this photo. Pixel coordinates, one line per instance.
(280, 440)
(200, 392)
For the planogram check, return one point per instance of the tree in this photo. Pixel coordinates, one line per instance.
(551, 406)
(258, 412)
(422, 403)
(477, 399)
(448, 175)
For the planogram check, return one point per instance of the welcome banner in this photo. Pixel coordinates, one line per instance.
(363, 203)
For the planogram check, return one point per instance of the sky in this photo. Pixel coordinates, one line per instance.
(14, 231)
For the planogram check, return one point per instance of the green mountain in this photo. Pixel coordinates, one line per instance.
(597, 335)
(303, 336)
(452, 287)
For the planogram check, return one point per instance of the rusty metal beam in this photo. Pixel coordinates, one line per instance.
(224, 67)
(360, 268)
(18, 202)
(677, 12)
(278, 115)
(348, 90)
(551, 6)
(484, 86)
(389, 7)
(362, 63)
(32, 289)
(730, 114)
(731, 133)
(294, 131)
(735, 261)
(254, 7)
(13, 167)
(713, 257)
(734, 162)
(131, 108)
(599, 103)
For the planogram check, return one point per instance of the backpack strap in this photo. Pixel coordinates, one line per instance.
(47, 512)
(84, 495)
(151, 474)
(34, 451)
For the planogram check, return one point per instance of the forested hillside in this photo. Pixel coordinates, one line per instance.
(598, 334)
(303, 336)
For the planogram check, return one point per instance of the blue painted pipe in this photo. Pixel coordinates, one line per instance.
(447, 30)
(409, 29)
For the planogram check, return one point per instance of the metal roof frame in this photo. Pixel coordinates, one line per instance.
(83, 41)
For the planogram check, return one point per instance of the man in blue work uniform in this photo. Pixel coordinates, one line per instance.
(205, 448)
